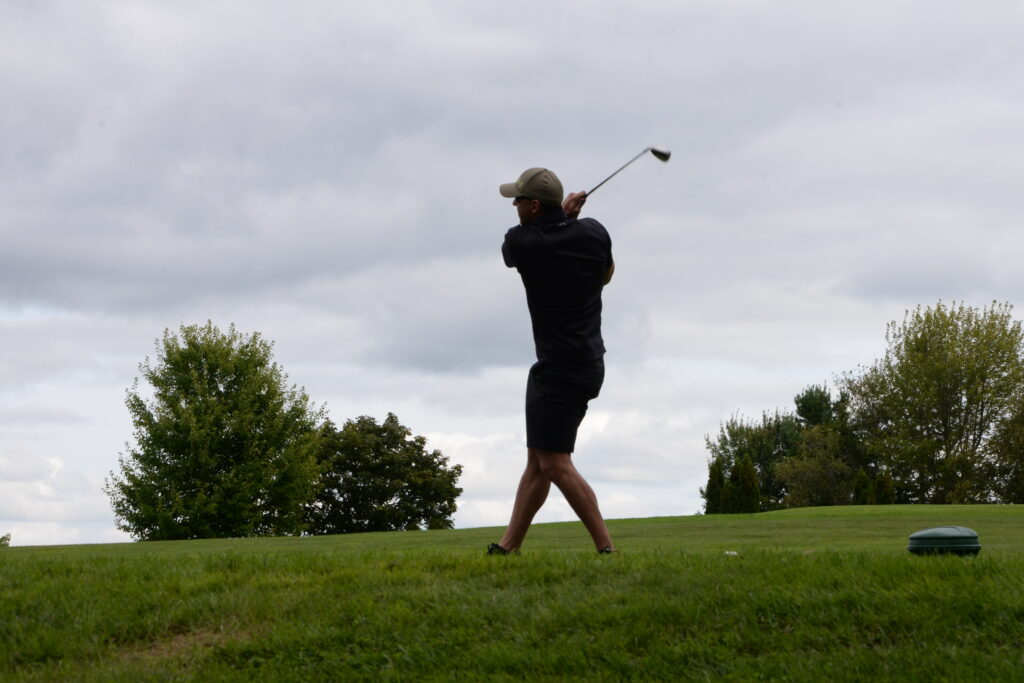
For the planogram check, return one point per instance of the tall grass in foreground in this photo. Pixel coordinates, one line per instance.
(812, 594)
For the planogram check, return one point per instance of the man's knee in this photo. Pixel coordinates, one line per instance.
(552, 464)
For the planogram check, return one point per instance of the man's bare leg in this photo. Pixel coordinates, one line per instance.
(542, 469)
(532, 492)
(559, 469)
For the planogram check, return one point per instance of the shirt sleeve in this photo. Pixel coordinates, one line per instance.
(507, 248)
(605, 238)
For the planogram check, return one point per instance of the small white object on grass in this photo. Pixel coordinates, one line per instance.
(732, 553)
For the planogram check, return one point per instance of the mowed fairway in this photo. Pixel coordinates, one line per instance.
(812, 594)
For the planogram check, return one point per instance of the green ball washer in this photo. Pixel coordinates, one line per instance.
(956, 540)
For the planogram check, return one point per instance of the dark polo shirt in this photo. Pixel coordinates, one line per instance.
(562, 262)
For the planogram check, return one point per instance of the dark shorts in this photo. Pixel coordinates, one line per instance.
(556, 401)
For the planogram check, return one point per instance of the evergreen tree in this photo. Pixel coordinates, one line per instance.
(814, 406)
(712, 494)
(863, 489)
(884, 490)
(730, 498)
(747, 494)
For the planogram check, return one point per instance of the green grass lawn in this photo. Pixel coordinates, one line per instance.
(812, 594)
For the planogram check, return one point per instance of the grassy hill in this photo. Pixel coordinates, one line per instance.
(811, 594)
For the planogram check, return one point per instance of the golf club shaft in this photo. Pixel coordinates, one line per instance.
(616, 172)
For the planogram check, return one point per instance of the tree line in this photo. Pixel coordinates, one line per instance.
(223, 447)
(939, 418)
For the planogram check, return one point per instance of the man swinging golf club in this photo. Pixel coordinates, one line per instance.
(564, 262)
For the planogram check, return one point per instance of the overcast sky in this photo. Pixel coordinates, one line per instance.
(326, 174)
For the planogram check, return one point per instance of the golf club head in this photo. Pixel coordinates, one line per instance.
(660, 154)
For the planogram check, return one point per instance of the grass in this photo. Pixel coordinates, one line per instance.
(813, 594)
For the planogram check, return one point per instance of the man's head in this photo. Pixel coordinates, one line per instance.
(536, 191)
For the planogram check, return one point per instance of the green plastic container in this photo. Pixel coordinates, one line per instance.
(957, 540)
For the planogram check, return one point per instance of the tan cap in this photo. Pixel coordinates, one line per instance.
(536, 183)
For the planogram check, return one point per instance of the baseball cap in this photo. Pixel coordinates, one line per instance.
(536, 183)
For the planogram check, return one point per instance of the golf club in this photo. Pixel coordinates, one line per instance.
(660, 154)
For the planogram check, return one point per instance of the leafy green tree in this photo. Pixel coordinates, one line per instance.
(712, 494)
(816, 475)
(1008, 455)
(5, 540)
(928, 410)
(223, 447)
(378, 477)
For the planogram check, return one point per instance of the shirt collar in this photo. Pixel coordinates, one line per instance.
(550, 219)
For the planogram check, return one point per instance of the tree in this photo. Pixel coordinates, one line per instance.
(816, 475)
(1008, 454)
(814, 406)
(747, 497)
(851, 449)
(938, 419)
(730, 497)
(863, 489)
(223, 447)
(378, 477)
(928, 410)
(884, 494)
(712, 494)
(5, 540)
(739, 491)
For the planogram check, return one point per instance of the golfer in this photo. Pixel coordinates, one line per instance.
(564, 263)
